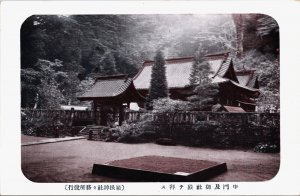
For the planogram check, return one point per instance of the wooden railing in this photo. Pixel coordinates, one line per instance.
(192, 117)
(63, 114)
(66, 116)
(187, 117)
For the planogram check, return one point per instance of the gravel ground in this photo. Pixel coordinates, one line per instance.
(72, 161)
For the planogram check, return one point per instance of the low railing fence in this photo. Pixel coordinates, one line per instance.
(67, 116)
(188, 117)
(191, 117)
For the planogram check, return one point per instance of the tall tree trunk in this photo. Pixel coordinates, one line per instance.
(240, 26)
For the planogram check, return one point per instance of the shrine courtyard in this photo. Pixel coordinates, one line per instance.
(72, 161)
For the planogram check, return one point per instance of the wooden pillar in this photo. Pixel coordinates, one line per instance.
(103, 116)
(95, 111)
(72, 117)
(114, 112)
(121, 114)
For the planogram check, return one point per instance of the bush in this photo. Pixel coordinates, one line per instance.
(221, 131)
(267, 148)
(46, 126)
(165, 141)
(139, 132)
(130, 139)
(202, 133)
(147, 135)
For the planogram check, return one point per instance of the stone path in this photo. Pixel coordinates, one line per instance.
(51, 140)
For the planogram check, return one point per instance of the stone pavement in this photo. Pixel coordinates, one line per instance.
(52, 140)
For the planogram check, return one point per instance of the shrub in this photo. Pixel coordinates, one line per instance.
(45, 126)
(165, 141)
(267, 148)
(203, 132)
(142, 131)
(130, 139)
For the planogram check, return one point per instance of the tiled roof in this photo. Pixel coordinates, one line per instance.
(178, 71)
(252, 81)
(247, 77)
(234, 109)
(243, 79)
(224, 67)
(107, 87)
(243, 86)
(215, 64)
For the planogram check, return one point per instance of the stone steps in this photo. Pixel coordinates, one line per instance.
(97, 133)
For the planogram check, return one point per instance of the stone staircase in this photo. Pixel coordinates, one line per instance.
(95, 132)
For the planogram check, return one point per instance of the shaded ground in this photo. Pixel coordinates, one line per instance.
(43, 140)
(72, 161)
(27, 138)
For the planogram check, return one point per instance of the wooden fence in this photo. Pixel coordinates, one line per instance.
(67, 116)
(191, 117)
(63, 114)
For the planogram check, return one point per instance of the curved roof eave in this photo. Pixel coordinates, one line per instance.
(244, 87)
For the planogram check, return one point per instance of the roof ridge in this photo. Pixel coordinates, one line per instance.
(227, 53)
(171, 59)
(112, 77)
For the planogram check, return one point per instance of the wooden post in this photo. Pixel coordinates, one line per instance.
(72, 117)
(103, 116)
(121, 114)
(95, 111)
(114, 113)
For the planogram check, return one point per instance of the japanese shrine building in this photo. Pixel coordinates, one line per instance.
(111, 95)
(237, 88)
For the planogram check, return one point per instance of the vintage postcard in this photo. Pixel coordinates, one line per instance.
(141, 97)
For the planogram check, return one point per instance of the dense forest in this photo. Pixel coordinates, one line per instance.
(60, 54)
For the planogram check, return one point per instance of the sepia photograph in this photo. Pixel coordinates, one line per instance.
(150, 98)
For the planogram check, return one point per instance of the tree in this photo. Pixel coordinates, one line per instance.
(49, 94)
(68, 85)
(110, 44)
(108, 65)
(200, 70)
(158, 84)
(205, 96)
(40, 86)
(267, 69)
(204, 93)
(194, 76)
(30, 80)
